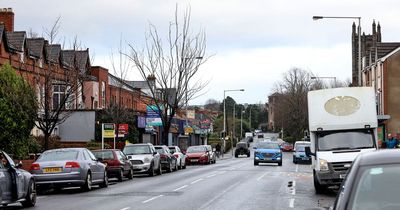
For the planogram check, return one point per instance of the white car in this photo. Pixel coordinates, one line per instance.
(144, 158)
(180, 157)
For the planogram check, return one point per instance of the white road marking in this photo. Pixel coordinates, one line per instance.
(262, 176)
(293, 191)
(153, 198)
(294, 184)
(291, 203)
(184, 186)
(297, 168)
(222, 172)
(196, 181)
(126, 208)
(211, 175)
(40, 197)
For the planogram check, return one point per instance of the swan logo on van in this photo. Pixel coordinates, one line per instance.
(342, 105)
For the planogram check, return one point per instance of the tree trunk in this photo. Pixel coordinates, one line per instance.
(46, 141)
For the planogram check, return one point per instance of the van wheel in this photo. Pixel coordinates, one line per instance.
(30, 198)
(319, 189)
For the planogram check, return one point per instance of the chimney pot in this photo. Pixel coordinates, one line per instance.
(7, 17)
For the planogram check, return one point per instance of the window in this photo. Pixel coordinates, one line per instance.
(103, 94)
(58, 95)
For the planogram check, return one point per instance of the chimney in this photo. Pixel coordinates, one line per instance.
(7, 18)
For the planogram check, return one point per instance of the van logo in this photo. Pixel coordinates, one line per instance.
(342, 105)
(347, 165)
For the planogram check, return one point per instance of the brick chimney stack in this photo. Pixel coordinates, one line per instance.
(7, 18)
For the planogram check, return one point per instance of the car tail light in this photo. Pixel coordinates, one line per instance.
(35, 166)
(72, 165)
(114, 163)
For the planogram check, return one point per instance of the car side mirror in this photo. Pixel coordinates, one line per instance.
(308, 151)
(184, 152)
(155, 153)
(18, 165)
(100, 159)
(254, 147)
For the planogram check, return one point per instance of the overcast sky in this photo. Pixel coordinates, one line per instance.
(252, 42)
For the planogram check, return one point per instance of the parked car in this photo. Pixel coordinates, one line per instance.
(197, 154)
(211, 154)
(25, 189)
(180, 157)
(117, 164)
(267, 152)
(168, 161)
(299, 153)
(144, 158)
(242, 149)
(371, 183)
(66, 167)
(287, 147)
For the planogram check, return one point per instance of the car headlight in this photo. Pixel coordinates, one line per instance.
(147, 160)
(323, 165)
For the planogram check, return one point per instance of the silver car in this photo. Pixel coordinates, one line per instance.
(144, 158)
(22, 190)
(59, 168)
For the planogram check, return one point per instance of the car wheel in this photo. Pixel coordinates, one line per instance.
(248, 154)
(88, 182)
(104, 184)
(169, 169)
(180, 165)
(130, 174)
(30, 198)
(176, 165)
(280, 163)
(255, 163)
(159, 169)
(151, 170)
(184, 166)
(121, 175)
(236, 155)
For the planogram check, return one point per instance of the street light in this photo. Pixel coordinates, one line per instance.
(241, 124)
(224, 131)
(359, 38)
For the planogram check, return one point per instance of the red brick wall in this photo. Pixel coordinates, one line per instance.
(7, 17)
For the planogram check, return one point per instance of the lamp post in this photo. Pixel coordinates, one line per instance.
(241, 124)
(359, 38)
(224, 131)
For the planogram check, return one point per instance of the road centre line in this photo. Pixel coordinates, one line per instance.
(196, 181)
(291, 203)
(294, 184)
(259, 178)
(297, 168)
(180, 188)
(153, 198)
(126, 208)
(294, 191)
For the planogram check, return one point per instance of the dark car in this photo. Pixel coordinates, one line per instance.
(23, 190)
(372, 182)
(267, 152)
(168, 161)
(117, 164)
(67, 167)
(242, 149)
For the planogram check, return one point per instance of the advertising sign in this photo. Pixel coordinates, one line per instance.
(191, 114)
(108, 130)
(123, 129)
(141, 122)
(153, 116)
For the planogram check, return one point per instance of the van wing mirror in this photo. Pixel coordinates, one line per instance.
(308, 151)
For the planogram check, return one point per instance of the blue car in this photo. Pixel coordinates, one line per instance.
(267, 152)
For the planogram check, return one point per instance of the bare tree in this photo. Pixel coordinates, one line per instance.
(292, 113)
(62, 84)
(173, 66)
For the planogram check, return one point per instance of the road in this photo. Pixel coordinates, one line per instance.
(232, 183)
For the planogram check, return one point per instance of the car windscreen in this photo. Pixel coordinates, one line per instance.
(105, 155)
(376, 187)
(241, 145)
(172, 149)
(137, 150)
(351, 139)
(196, 149)
(160, 150)
(301, 147)
(267, 145)
(59, 155)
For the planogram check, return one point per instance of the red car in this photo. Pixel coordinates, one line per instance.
(197, 154)
(118, 165)
(287, 147)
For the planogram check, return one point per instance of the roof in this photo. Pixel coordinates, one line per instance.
(138, 84)
(82, 59)
(67, 57)
(117, 82)
(53, 52)
(16, 40)
(385, 48)
(35, 47)
(384, 156)
(3, 36)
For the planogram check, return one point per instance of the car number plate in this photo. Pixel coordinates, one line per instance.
(304, 158)
(342, 176)
(194, 160)
(52, 170)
